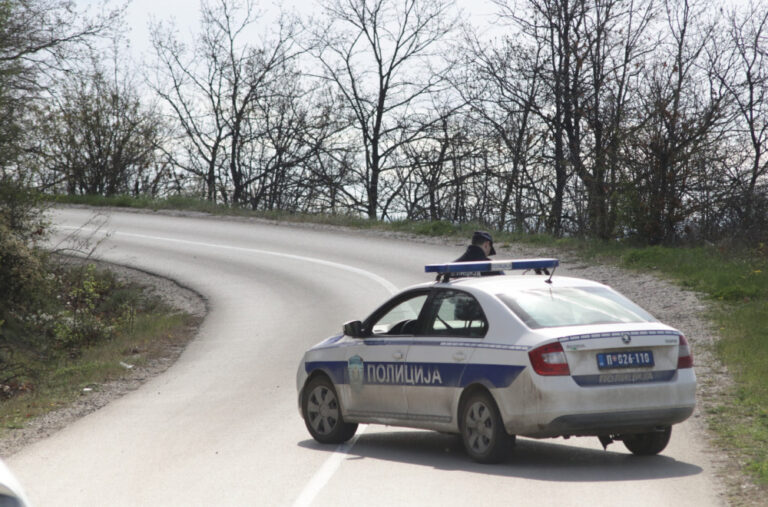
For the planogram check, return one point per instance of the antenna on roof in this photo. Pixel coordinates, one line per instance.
(458, 269)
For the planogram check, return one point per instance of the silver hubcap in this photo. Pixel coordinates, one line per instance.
(322, 410)
(479, 427)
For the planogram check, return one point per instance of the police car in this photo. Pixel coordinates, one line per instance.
(492, 357)
(11, 494)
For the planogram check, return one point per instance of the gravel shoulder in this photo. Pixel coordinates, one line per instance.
(671, 304)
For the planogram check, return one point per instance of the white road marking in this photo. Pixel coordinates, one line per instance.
(367, 274)
(332, 463)
(326, 471)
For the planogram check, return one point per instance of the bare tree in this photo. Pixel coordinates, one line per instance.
(38, 39)
(745, 76)
(377, 54)
(195, 97)
(45, 34)
(502, 84)
(430, 173)
(291, 129)
(616, 43)
(557, 28)
(681, 110)
(100, 135)
(211, 90)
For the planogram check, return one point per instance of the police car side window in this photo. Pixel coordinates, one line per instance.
(401, 318)
(455, 313)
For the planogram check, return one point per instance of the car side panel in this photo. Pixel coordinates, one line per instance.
(431, 397)
(359, 370)
(462, 362)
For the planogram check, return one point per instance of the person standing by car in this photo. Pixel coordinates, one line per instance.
(480, 249)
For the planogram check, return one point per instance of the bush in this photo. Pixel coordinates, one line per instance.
(23, 282)
(21, 272)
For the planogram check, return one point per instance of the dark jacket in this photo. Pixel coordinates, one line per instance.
(476, 254)
(473, 254)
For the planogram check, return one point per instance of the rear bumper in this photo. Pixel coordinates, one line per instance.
(541, 407)
(613, 423)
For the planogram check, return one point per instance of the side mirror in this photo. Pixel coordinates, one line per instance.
(354, 328)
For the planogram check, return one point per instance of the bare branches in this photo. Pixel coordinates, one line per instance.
(372, 51)
(42, 33)
(742, 71)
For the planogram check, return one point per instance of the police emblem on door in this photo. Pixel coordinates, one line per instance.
(355, 372)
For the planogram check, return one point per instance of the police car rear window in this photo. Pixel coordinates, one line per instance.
(573, 306)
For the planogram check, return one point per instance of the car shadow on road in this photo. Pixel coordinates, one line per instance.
(531, 459)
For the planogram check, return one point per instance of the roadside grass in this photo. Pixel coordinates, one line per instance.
(744, 349)
(142, 331)
(64, 381)
(735, 279)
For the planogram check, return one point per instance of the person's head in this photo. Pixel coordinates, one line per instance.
(484, 241)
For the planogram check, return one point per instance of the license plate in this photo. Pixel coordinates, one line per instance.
(635, 359)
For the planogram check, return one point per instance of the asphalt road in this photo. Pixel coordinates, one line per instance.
(221, 427)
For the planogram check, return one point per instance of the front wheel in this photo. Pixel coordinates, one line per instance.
(482, 429)
(322, 413)
(648, 444)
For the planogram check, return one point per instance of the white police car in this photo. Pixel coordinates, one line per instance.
(491, 357)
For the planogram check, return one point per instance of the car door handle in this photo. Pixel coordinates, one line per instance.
(397, 355)
(459, 356)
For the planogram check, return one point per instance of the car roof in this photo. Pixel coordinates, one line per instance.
(512, 283)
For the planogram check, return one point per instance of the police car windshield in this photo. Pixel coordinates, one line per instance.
(573, 306)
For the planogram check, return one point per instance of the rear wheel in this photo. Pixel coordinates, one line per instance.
(650, 443)
(322, 413)
(482, 429)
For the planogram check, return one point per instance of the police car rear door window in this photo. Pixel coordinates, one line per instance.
(456, 313)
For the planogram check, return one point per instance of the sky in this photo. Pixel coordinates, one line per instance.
(185, 14)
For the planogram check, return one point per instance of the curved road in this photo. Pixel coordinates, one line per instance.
(221, 427)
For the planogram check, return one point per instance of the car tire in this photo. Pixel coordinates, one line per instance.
(482, 430)
(648, 444)
(322, 413)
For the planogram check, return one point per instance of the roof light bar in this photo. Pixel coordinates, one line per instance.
(485, 266)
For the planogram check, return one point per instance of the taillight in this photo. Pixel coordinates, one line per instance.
(684, 356)
(549, 360)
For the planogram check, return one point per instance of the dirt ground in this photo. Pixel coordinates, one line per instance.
(682, 309)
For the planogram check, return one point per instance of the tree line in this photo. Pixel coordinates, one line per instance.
(644, 119)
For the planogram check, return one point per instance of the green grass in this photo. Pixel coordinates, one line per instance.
(734, 277)
(187, 203)
(126, 201)
(744, 349)
(65, 380)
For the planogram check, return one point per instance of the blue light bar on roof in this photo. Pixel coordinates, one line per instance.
(484, 266)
